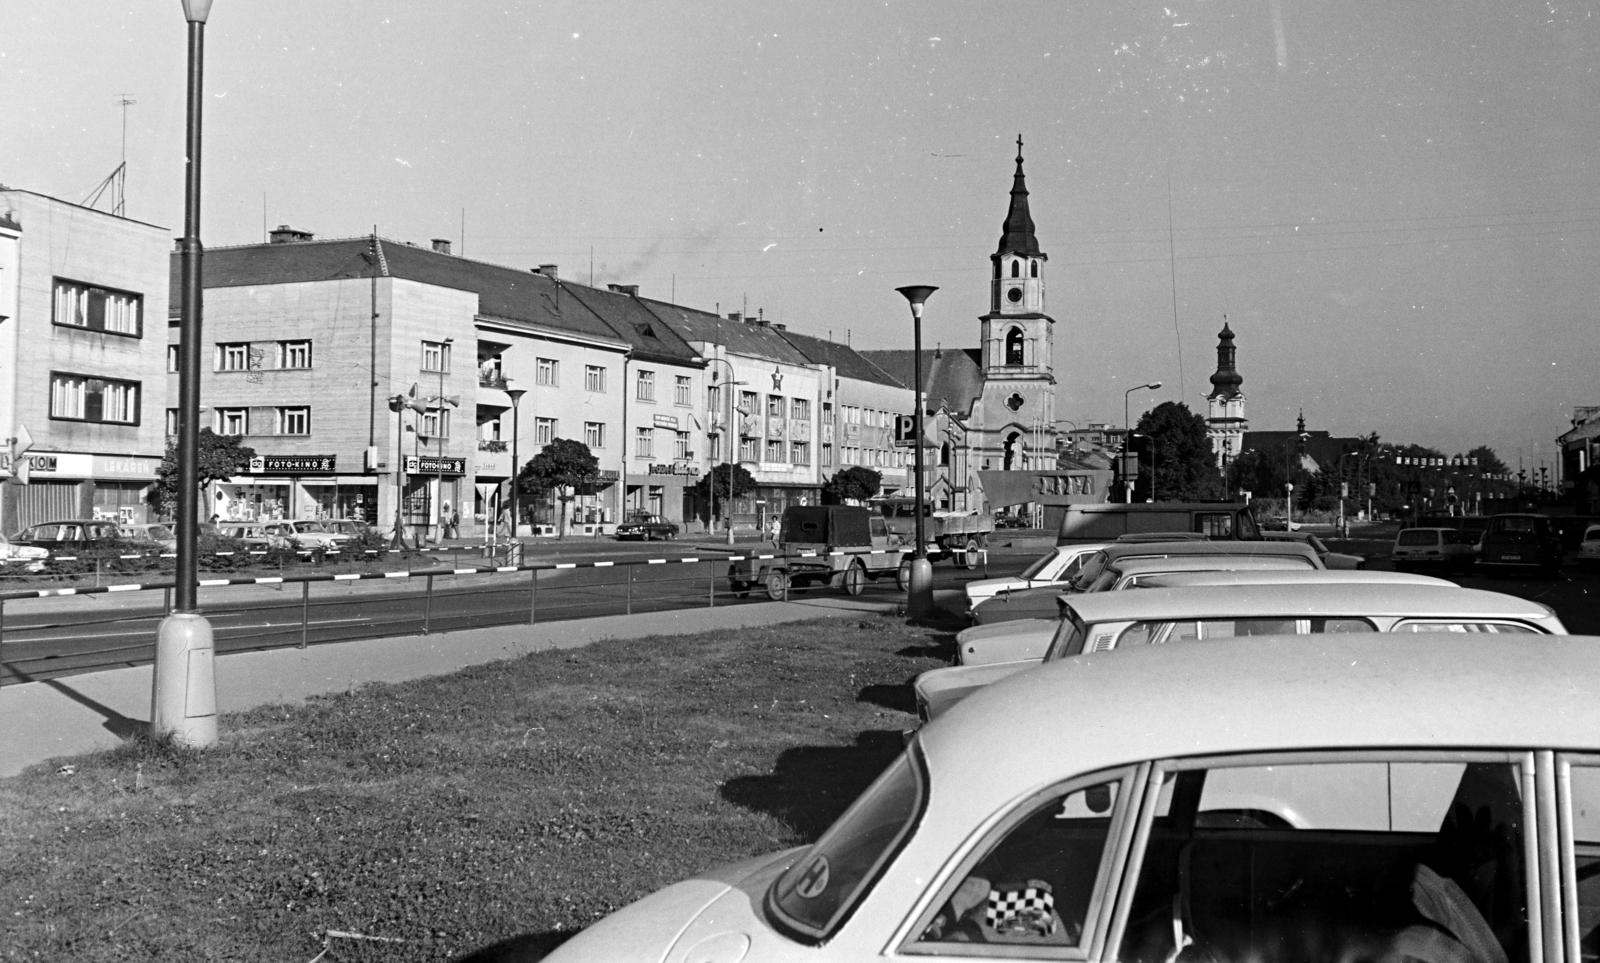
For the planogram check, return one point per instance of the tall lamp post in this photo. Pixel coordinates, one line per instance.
(515, 394)
(730, 440)
(1127, 434)
(443, 436)
(183, 693)
(919, 587)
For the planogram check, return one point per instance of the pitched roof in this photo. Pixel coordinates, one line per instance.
(634, 322)
(952, 378)
(741, 337)
(844, 359)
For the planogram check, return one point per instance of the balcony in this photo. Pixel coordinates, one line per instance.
(488, 378)
(491, 444)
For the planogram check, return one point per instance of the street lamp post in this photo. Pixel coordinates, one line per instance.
(730, 439)
(443, 436)
(183, 700)
(1288, 515)
(1127, 431)
(514, 546)
(919, 587)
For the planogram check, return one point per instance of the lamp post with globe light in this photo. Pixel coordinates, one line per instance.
(919, 586)
(513, 546)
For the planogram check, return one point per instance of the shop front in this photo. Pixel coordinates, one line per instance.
(68, 485)
(433, 487)
(665, 489)
(276, 487)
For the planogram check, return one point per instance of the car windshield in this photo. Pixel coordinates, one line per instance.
(1515, 524)
(309, 527)
(825, 884)
(1032, 571)
(159, 531)
(1592, 535)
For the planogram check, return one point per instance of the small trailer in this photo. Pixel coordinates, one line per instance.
(846, 546)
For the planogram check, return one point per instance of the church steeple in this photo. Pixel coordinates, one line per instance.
(1225, 422)
(1016, 234)
(1226, 380)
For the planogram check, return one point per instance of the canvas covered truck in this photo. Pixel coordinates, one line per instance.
(958, 536)
(846, 546)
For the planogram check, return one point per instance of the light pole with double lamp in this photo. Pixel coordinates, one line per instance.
(919, 586)
(1127, 438)
(183, 692)
(514, 547)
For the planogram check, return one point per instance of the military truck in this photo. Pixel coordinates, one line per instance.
(846, 546)
(960, 536)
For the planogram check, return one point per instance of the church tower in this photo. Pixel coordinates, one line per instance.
(1019, 379)
(1225, 421)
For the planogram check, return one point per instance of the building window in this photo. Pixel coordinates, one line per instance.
(747, 402)
(681, 392)
(800, 452)
(827, 413)
(827, 456)
(714, 448)
(294, 421)
(645, 389)
(644, 443)
(594, 378)
(172, 421)
(681, 446)
(436, 423)
(544, 431)
(173, 359)
(436, 356)
(294, 354)
(76, 397)
(99, 309)
(747, 449)
(233, 421)
(1014, 344)
(800, 409)
(594, 434)
(774, 406)
(547, 372)
(774, 449)
(232, 357)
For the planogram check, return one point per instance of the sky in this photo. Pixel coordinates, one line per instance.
(1393, 203)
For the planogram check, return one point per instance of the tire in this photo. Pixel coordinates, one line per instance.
(902, 576)
(958, 555)
(777, 585)
(740, 589)
(670, 536)
(855, 579)
(970, 557)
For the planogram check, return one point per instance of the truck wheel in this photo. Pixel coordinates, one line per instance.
(855, 579)
(777, 585)
(902, 576)
(971, 557)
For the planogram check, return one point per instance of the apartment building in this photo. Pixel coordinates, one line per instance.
(858, 421)
(81, 360)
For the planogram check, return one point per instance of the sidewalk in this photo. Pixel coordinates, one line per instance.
(77, 714)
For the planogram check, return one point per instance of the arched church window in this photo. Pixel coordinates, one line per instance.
(944, 455)
(1013, 451)
(1016, 269)
(1033, 269)
(1014, 342)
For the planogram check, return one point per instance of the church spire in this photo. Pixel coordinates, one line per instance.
(1226, 380)
(1016, 234)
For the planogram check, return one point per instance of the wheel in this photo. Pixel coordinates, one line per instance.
(777, 585)
(740, 589)
(855, 579)
(972, 556)
(670, 536)
(902, 576)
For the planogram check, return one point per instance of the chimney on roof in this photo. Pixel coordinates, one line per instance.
(288, 235)
(734, 316)
(441, 245)
(631, 290)
(548, 270)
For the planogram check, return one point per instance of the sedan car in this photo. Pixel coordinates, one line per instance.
(26, 558)
(1281, 800)
(1104, 621)
(1443, 549)
(647, 528)
(1330, 558)
(68, 537)
(1589, 548)
(306, 534)
(149, 535)
(254, 535)
(1059, 566)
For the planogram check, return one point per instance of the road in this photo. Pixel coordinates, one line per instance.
(56, 637)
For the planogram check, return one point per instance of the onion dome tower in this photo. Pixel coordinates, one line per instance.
(1225, 421)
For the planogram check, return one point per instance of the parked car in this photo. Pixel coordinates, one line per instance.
(1105, 621)
(846, 546)
(254, 535)
(1522, 541)
(149, 535)
(1330, 558)
(1057, 567)
(25, 558)
(1444, 549)
(353, 529)
(1007, 520)
(1109, 521)
(306, 534)
(1028, 638)
(1041, 603)
(1272, 799)
(646, 527)
(69, 537)
(1589, 548)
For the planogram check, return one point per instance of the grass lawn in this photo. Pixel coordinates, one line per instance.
(524, 798)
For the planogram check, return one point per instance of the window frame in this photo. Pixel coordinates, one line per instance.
(644, 442)
(442, 350)
(287, 347)
(547, 372)
(88, 289)
(284, 413)
(594, 378)
(547, 429)
(683, 391)
(224, 353)
(594, 435)
(644, 385)
(138, 399)
(222, 413)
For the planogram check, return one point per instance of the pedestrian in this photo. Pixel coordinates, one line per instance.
(455, 523)
(775, 528)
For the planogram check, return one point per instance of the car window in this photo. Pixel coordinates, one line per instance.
(1451, 537)
(1417, 536)
(1352, 856)
(1464, 625)
(818, 892)
(1035, 880)
(878, 527)
(1214, 524)
(1582, 804)
(1039, 565)
(1068, 640)
(1592, 535)
(1158, 633)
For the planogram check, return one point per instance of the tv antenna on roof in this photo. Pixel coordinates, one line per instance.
(118, 179)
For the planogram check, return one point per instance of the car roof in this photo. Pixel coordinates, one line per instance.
(1201, 563)
(1118, 550)
(1427, 528)
(1292, 576)
(1264, 693)
(1307, 600)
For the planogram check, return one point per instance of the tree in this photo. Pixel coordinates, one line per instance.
(1261, 471)
(1489, 463)
(563, 465)
(853, 485)
(1184, 463)
(742, 483)
(220, 458)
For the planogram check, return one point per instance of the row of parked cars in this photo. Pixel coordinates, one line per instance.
(1355, 765)
(1509, 542)
(30, 548)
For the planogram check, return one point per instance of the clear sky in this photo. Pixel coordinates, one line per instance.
(1393, 202)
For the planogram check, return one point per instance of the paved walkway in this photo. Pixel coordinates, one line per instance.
(63, 717)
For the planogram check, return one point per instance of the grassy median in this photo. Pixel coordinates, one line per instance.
(521, 799)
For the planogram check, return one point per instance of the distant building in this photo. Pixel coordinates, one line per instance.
(1225, 420)
(1311, 450)
(1580, 451)
(83, 356)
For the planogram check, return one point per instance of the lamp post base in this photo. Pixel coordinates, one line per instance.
(183, 700)
(919, 590)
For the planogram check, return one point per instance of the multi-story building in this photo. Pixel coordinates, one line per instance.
(858, 421)
(83, 301)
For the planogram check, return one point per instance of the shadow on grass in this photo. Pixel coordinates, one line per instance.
(937, 644)
(811, 785)
(900, 697)
(527, 948)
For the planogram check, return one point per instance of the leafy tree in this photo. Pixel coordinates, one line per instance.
(563, 466)
(1185, 465)
(1262, 471)
(731, 481)
(1489, 463)
(854, 484)
(221, 458)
